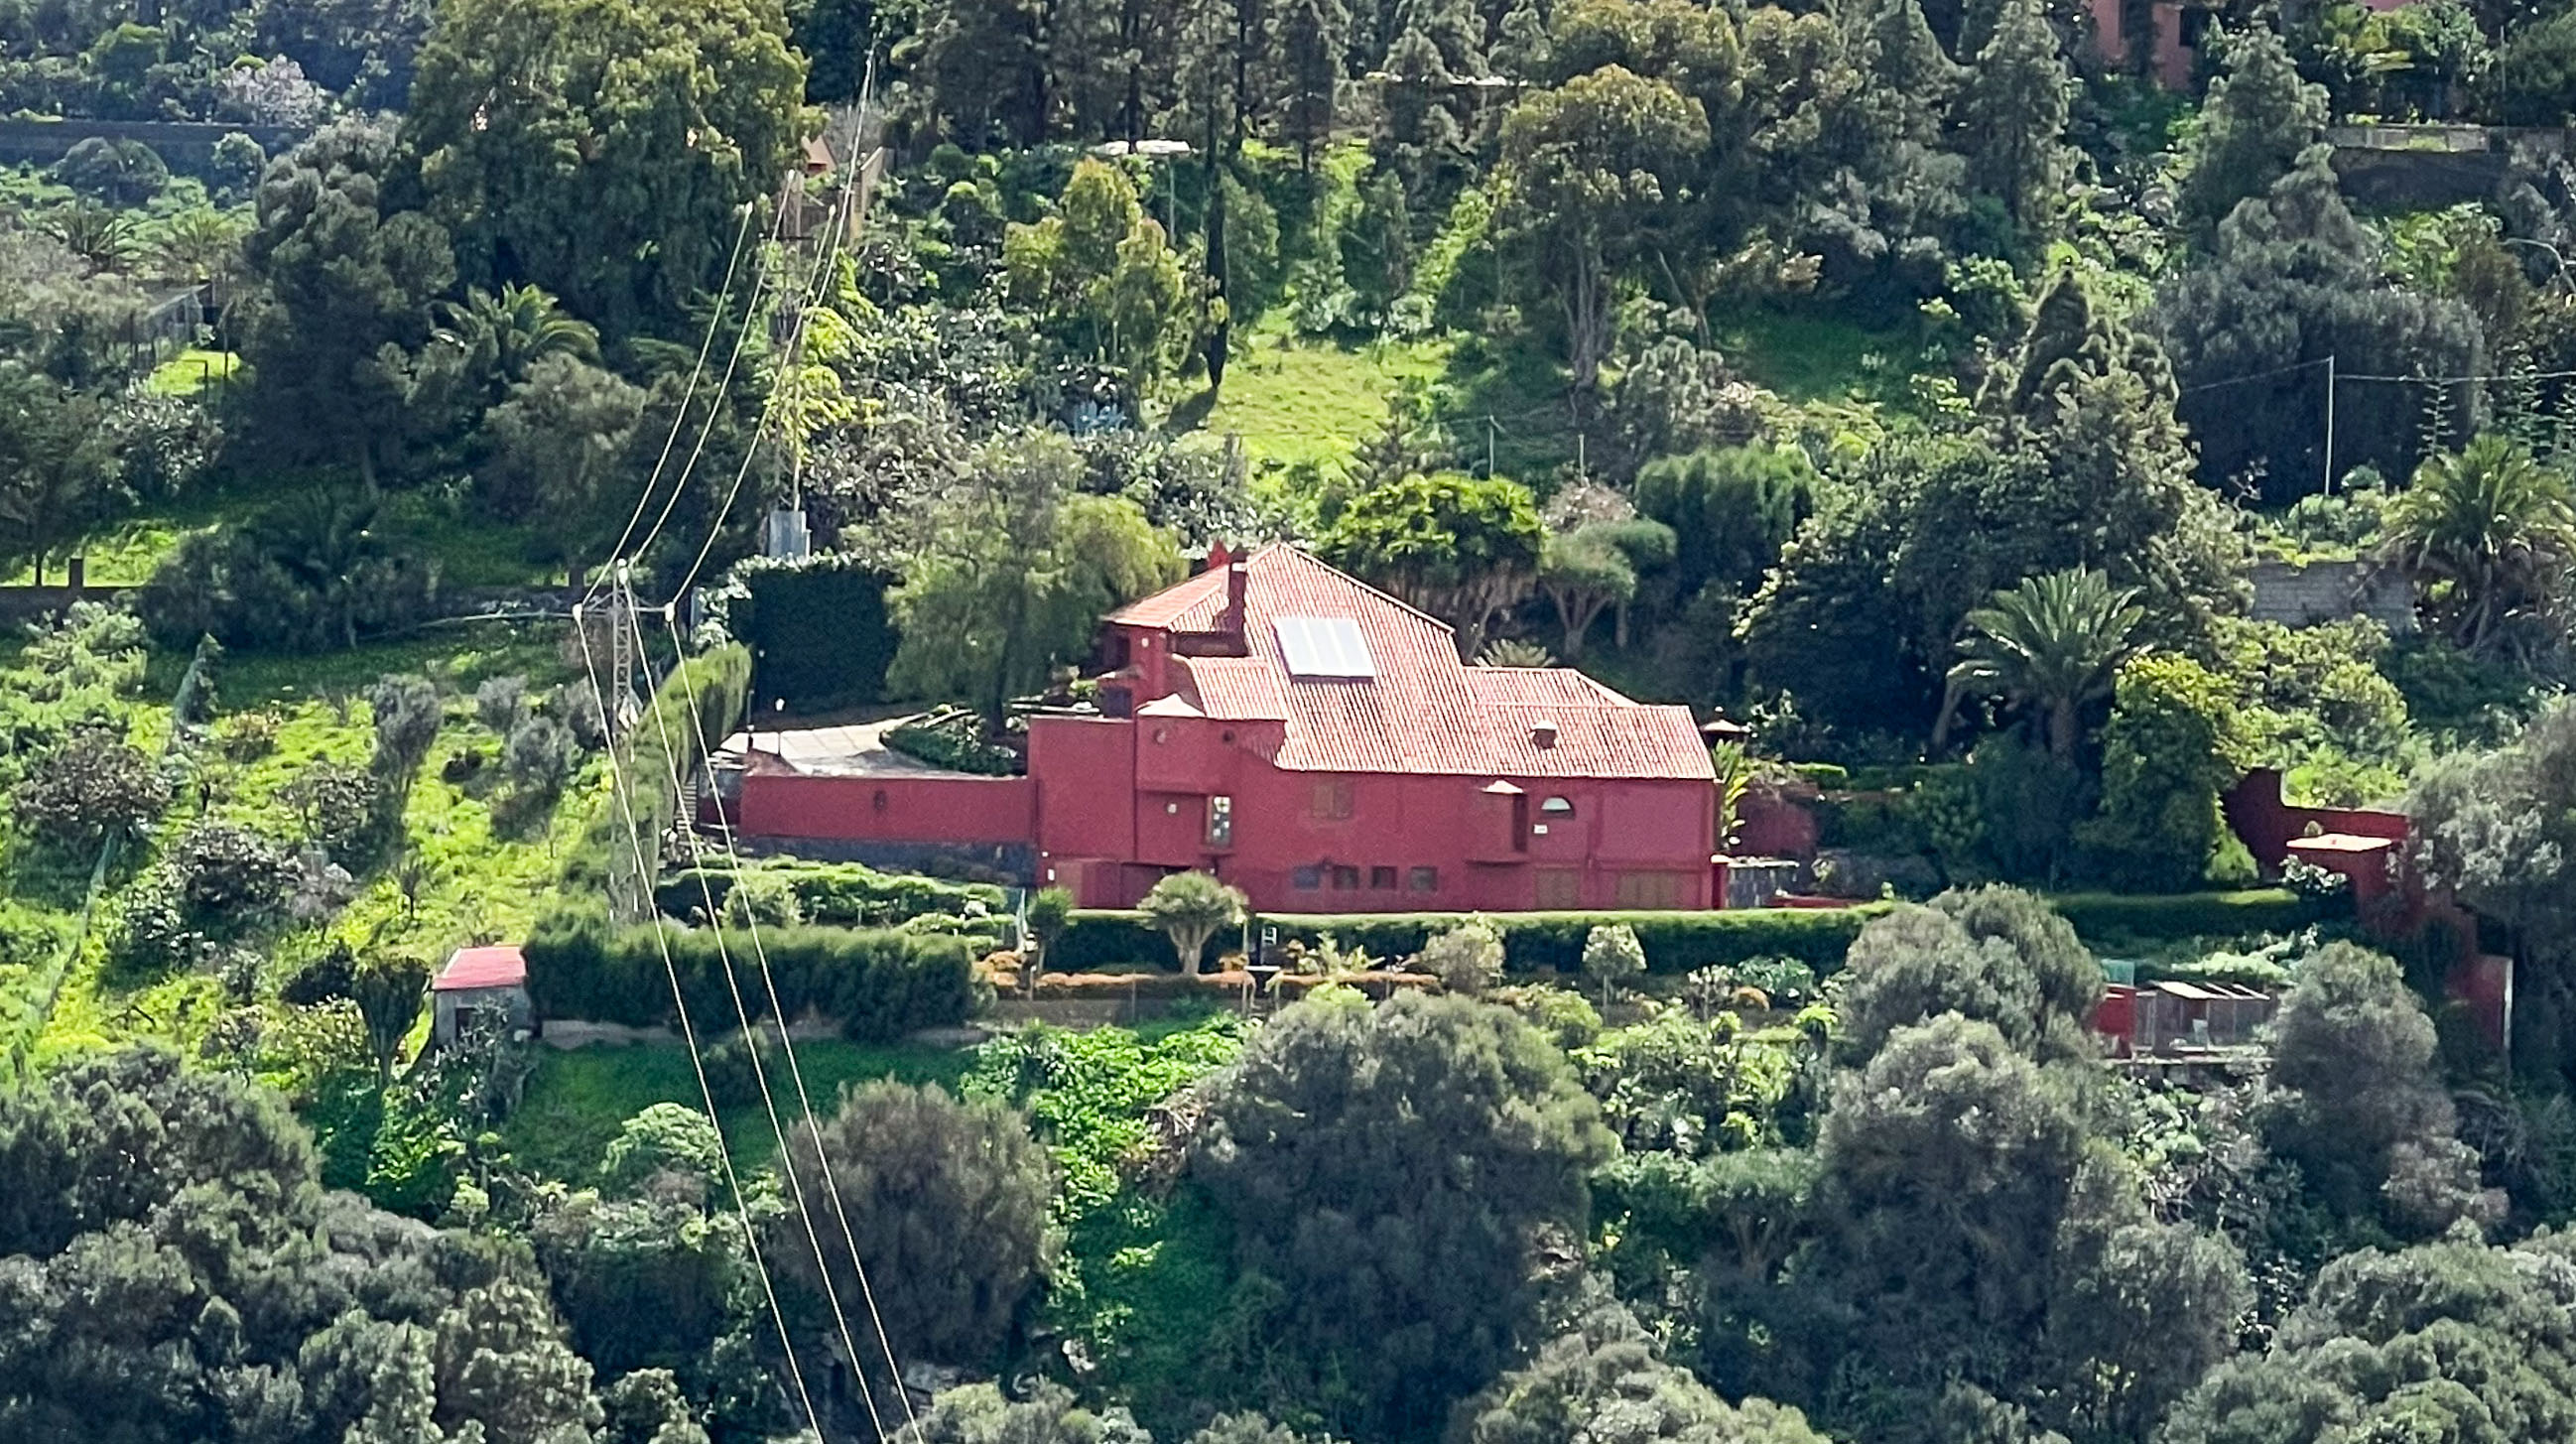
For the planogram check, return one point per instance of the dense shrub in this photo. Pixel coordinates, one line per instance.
(878, 984)
(836, 894)
(92, 786)
(2129, 918)
(953, 738)
(817, 628)
(276, 587)
(1675, 942)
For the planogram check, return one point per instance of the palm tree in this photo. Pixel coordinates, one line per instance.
(502, 336)
(2052, 643)
(330, 548)
(2485, 534)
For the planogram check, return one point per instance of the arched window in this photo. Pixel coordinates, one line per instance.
(1556, 807)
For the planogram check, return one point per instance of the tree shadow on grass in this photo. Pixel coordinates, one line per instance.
(1192, 414)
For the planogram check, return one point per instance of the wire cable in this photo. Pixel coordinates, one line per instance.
(680, 417)
(760, 952)
(759, 1072)
(697, 1063)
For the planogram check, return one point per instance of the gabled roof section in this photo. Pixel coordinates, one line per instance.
(502, 966)
(1424, 710)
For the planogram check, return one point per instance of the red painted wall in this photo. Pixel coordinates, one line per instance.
(2268, 825)
(1150, 806)
(889, 809)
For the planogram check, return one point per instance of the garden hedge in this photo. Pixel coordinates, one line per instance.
(838, 894)
(1676, 942)
(819, 627)
(878, 984)
(2149, 918)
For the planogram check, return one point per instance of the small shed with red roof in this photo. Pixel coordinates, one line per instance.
(481, 985)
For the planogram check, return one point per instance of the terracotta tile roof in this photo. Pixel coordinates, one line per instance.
(1238, 689)
(1424, 711)
(494, 967)
(1190, 606)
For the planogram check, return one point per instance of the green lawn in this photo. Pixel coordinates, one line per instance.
(1295, 400)
(192, 371)
(578, 1099)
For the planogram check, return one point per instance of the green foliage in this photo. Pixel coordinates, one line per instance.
(1460, 548)
(2486, 535)
(2259, 117)
(389, 993)
(1100, 275)
(90, 787)
(1397, 1284)
(831, 894)
(2052, 643)
(818, 628)
(1191, 908)
(877, 984)
(1994, 955)
(1611, 956)
(362, 1324)
(1467, 959)
(611, 174)
(1605, 1380)
(1730, 509)
(946, 1203)
(663, 1139)
(953, 738)
(1017, 570)
(310, 577)
(2169, 750)
(1675, 942)
(2479, 1324)
(2362, 1109)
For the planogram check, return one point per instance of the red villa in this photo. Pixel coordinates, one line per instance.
(1318, 744)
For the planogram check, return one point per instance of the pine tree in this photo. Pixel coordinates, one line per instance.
(1307, 40)
(1910, 78)
(2260, 115)
(2015, 113)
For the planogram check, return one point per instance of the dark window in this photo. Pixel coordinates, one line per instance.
(1346, 879)
(1306, 879)
(1220, 822)
(1381, 879)
(2195, 26)
(1117, 702)
(1426, 879)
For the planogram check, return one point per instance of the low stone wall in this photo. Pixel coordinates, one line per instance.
(2304, 596)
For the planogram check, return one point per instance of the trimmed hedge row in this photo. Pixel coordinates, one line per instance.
(2174, 917)
(836, 894)
(879, 984)
(1676, 942)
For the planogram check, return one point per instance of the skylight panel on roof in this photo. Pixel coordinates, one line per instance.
(1329, 647)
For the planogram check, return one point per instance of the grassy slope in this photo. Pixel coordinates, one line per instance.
(1294, 400)
(468, 552)
(485, 879)
(577, 1099)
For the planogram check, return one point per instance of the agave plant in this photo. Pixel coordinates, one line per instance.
(2052, 643)
(1512, 652)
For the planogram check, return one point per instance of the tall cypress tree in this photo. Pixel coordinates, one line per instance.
(2014, 113)
(1307, 39)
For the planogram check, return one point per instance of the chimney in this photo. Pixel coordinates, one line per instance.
(1543, 734)
(1231, 621)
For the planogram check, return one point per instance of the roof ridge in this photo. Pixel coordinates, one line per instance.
(1381, 593)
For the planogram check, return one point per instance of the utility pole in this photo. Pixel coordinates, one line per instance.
(2330, 391)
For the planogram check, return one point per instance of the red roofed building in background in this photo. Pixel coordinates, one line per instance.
(1318, 744)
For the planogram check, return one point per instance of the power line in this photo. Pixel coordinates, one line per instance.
(751, 923)
(680, 417)
(733, 987)
(697, 1063)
